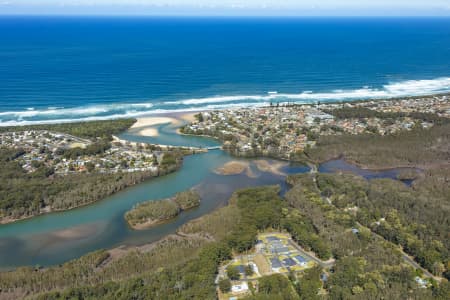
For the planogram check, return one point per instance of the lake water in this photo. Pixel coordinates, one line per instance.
(65, 69)
(57, 237)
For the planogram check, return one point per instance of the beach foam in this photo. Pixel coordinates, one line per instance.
(124, 110)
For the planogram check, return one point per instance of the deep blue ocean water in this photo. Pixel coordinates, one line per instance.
(55, 69)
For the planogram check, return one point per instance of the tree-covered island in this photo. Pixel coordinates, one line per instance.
(150, 213)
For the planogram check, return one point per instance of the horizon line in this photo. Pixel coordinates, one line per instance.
(218, 15)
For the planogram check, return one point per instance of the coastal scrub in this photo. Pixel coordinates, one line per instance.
(150, 213)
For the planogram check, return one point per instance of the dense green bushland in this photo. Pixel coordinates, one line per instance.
(364, 261)
(152, 212)
(187, 199)
(412, 217)
(184, 267)
(364, 112)
(418, 147)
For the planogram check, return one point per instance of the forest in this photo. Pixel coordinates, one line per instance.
(410, 217)
(364, 112)
(184, 266)
(418, 147)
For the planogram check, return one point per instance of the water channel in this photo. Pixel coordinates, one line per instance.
(58, 237)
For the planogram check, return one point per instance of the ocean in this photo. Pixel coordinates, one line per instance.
(60, 69)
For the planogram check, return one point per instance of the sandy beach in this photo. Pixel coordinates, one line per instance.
(147, 125)
(152, 121)
(188, 117)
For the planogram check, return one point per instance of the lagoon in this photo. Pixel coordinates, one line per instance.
(58, 237)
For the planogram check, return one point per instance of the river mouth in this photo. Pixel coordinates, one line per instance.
(58, 237)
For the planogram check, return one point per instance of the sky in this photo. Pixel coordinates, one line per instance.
(229, 7)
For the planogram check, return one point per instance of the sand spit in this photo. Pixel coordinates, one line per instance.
(152, 121)
(272, 166)
(233, 168)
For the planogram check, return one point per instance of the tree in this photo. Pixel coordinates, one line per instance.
(275, 284)
(438, 268)
(90, 166)
(225, 285)
(199, 117)
(248, 270)
(309, 284)
(233, 273)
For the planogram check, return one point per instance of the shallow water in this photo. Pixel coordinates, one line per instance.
(57, 237)
(340, 165)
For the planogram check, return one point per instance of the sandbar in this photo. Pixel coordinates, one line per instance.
(151, 121)
(151, 131)
(232, 168)
(273, 167)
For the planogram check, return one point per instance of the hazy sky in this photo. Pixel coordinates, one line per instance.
(228, 7)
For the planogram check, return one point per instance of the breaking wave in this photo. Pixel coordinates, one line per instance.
(103, 112)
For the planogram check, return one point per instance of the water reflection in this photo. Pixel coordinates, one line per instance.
(55, 238)
(340, 165)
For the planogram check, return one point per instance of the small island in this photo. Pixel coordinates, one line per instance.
(151, 213)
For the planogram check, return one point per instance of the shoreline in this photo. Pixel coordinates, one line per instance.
(55, 211)
(148, 224)
(177, 118)
(140, 123)
(419, 167)
(184, 113)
